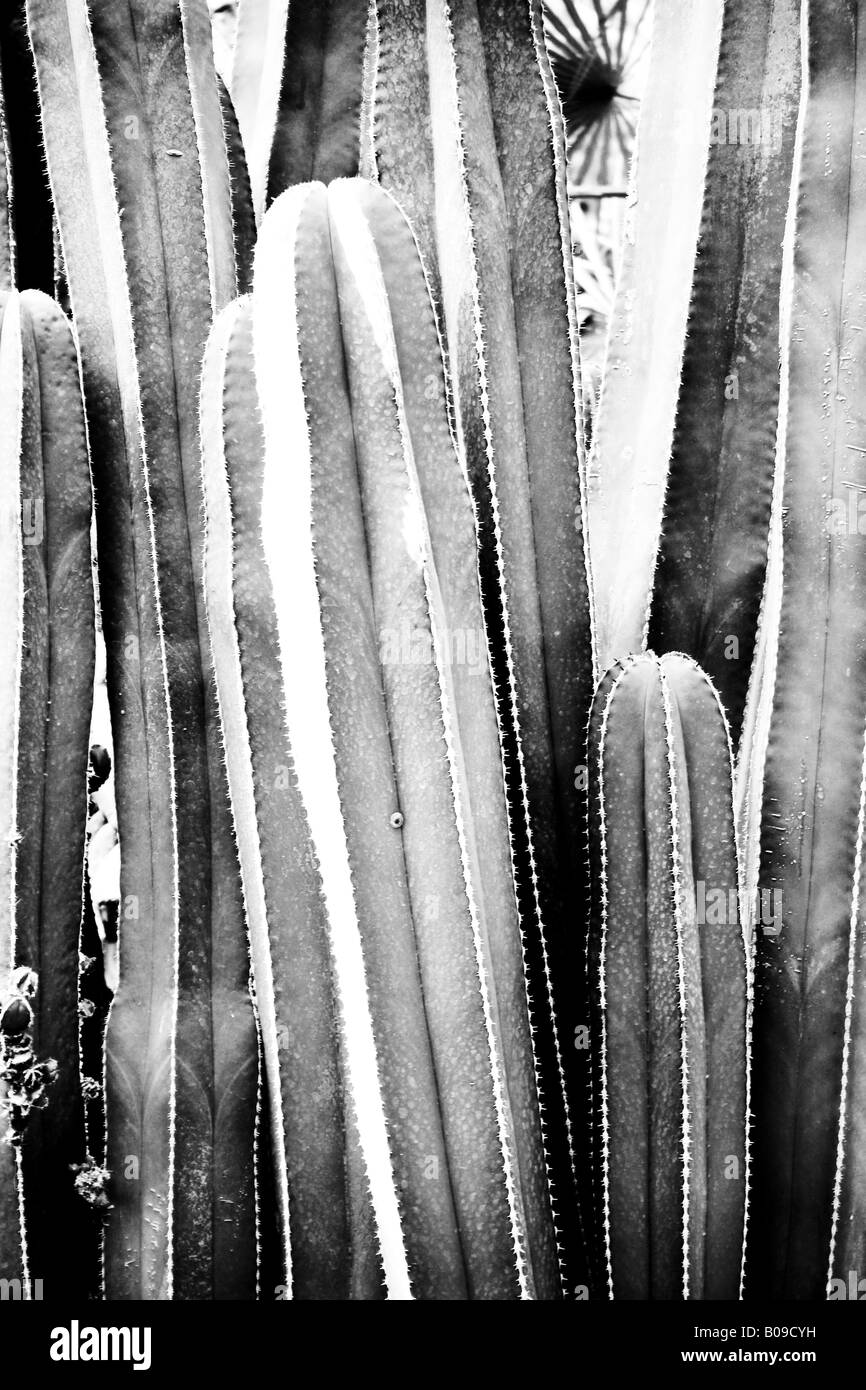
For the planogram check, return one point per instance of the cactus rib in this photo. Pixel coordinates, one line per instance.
(670, 997)
(181, 1032)
(50, 680)
(713, 548)
(803, 790)
(634, 427)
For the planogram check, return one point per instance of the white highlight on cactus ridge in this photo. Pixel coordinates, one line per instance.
(12, 632)
(361, 254)
(452, 389)
(751, 761)
(745, 928)
(557, 140)
(455, 431)
(12, 617)
(637, 411)
(853, 943)
(257, 73)
(372, 42)
(676, 860)
(605, 1112)
(213, 161)
(7, 194)
(219, 593)
(754, 742)
(456, 241)
(288, 543)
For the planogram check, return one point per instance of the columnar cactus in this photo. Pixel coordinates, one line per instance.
(366, 574)
(670, 987)
(282, 892)
(481, 175)
(376, 1034)
(684, 443)
(713, 549)
(634, 426)
(140, 181)
(46, 696)
(802, 767)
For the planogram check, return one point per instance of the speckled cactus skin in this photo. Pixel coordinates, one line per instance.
(47, 634)
(367, 537)
(131, 121)
(670, 994)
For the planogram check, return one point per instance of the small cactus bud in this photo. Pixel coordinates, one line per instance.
(16, 1016)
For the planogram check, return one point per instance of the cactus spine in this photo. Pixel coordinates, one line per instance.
(47, 664)
(670, 987)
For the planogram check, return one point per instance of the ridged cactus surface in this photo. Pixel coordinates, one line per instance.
(371, 582)
(357, 942)
(802, 769)
(681, 473)
(482, 178)
(140, 180)
(668, 956)
(47, 633)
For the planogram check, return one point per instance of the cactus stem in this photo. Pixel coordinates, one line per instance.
(289, 545)
(678, 921)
